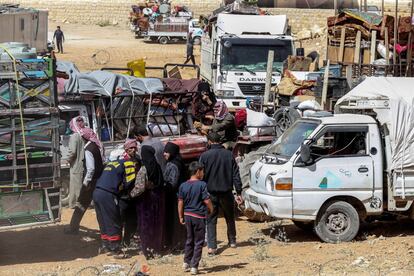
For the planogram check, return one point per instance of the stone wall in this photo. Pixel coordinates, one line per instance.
(300, 19)
(99, 11)
(116, 11)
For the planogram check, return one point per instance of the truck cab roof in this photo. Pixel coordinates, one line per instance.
(344, 119)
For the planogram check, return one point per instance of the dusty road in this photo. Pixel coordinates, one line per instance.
(263, 249)
(273, 248)
(114, 47)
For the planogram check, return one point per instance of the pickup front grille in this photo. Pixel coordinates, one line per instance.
(252, 88)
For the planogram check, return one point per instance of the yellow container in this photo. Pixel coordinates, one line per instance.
(138, 66)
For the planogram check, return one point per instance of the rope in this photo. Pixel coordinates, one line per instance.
(21, 113)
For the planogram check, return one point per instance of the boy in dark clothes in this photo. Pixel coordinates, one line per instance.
(193, 204)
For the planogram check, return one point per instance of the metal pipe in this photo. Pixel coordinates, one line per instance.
(395, 33)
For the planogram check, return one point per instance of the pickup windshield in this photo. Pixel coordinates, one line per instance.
(292, 139)
(253, 57)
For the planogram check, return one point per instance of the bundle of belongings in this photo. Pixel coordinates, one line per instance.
(352, 22)
(167, 106)
(153, 11)
(291, 86)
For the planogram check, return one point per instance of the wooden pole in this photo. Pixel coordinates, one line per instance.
(382, 7)
(269, 71)
(373, 46)
(365, 6)
(336, 6)
(325, 85)
(394, 61)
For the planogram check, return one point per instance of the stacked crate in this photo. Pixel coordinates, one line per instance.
(29, 143)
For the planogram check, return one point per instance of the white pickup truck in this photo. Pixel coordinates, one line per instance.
(329, 172)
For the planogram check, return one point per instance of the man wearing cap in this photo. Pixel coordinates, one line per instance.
(115, 183)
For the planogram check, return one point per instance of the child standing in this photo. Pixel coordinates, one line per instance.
(193, 204)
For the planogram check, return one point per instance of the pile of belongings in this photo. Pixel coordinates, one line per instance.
(156, 11)
(167, 105)
(353, 22)
(291, 86)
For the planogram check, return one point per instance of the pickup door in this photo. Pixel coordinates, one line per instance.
(340, 165)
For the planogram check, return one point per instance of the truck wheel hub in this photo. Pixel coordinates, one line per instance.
(337, 223)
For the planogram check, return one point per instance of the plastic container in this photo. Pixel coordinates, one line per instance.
(138, 67)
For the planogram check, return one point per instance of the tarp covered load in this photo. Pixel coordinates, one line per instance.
(398, 115)
(104, 83)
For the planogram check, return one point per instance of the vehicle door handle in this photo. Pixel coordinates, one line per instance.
(363, 169)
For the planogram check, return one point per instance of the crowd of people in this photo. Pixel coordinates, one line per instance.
(150, 195)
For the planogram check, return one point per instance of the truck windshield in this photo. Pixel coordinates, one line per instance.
(253, 57)
(292, 139)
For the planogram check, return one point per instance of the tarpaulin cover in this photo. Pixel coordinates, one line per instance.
(398, 117)
(105, 83)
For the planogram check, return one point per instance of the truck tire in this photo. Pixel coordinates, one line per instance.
(197, 40)
(307, 226)
(337, 222)
(163, 40)
(284, 118)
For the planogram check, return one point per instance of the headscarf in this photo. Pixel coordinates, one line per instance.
(86, 133)
(220, 110)
(175, 156)
(130, 143)
(151, 165)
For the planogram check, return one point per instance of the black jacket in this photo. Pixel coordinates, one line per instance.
(221, 171)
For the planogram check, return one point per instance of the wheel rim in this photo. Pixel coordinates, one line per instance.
(283, 123)
(337, 223)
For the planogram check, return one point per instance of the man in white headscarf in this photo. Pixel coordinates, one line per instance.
(76, 156)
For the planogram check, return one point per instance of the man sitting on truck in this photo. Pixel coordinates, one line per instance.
(223, 125)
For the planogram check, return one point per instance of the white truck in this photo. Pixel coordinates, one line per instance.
(329, 172)
(234, 54)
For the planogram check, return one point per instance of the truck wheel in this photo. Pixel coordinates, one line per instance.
(304, 225)
(337, 222)
(197, 40)
(284, 118)
(163, 40)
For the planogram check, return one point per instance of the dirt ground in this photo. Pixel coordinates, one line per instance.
(274, 248)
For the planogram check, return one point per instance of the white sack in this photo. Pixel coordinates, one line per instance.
(259, 119)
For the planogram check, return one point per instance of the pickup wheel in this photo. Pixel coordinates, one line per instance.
(305, 226)
(337, 222)
(163, 40)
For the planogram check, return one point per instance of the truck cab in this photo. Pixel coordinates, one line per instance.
(234, 55)
(326, 171)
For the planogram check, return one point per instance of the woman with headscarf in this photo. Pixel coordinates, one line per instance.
(151, 206)
(223, 124)
(174, 175)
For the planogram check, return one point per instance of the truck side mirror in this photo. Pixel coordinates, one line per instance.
(305, 153)
(213, 66)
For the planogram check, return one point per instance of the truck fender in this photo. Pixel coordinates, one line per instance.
(358, 205)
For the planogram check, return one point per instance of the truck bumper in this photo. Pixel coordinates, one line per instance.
(273, 206)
